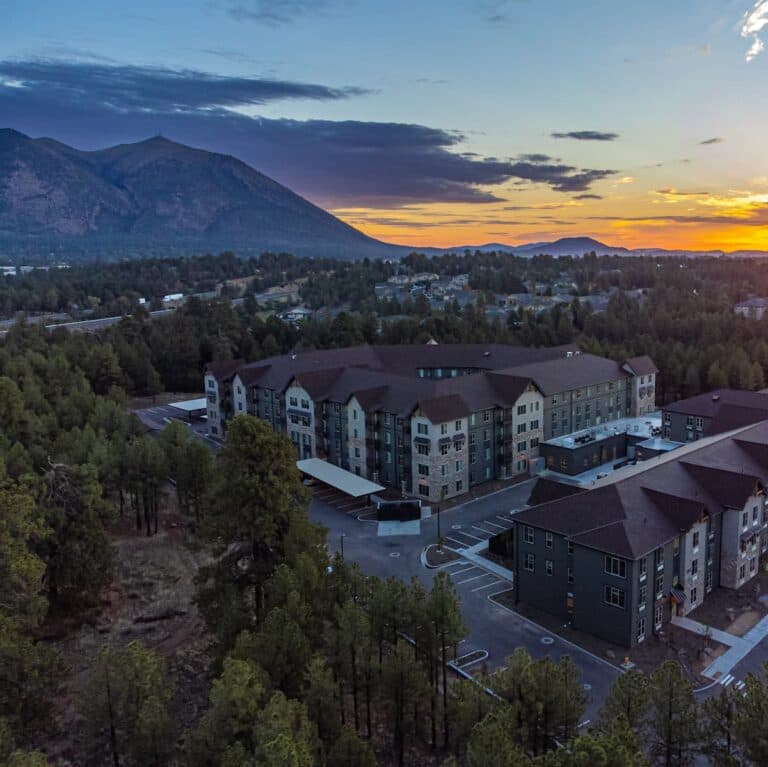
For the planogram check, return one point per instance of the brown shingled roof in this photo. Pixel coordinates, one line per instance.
(641, 366)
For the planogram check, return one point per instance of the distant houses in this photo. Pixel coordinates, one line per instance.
(753, 308)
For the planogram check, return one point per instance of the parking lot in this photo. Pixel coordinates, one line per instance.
(463, 536)
(338, 500)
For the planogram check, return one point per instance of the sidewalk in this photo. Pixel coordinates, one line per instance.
(730, 640)
(471, 555)
(737, 652)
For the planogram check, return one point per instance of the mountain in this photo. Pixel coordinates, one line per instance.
(158, 191)
(567, 246)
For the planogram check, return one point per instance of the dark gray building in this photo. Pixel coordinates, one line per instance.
(712, 413)
(619, 560)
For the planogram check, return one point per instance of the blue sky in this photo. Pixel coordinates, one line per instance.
(428, 121)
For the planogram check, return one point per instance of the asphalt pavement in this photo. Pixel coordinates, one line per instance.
(492, 628)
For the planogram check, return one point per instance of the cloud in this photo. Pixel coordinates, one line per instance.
(757, 216)
(275, 12)
(334, 163)
(677, 193)
(588, 197)
(587, 135)
(710, 141)
(155, 89)
(752, 25)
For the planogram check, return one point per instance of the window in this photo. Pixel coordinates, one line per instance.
(658, 616)
(443, 470)
(388, 438)
(422, 449)
(534, 424)
(570, 575)
(641, 630)
(459, 485)
(443, 428)
(387, 455)
(294, 419)
(459, 444)
(521, 409)
(694, 595)
(357, 452)
(293, 402)
(548, 539)
(486, 416)
(570, 547)
(521, 446)
(744, 520)
(754, 514)
(659, 586)
(422, 428)
(643, 565)
(211, 383)
(522, 428)
(742, 572)
(443, 490)
(305, 404)
(696, 541)
(548, 566)
(534, 442)
(459, 465)
(528, 534)
(642, 597)
(530, 562)
(658, 558)
(695, 567)
(752, 564)
(423, 470)
(355, 433)
(424, 490)
(457, 426)
(443, 449)
(614, 597)
(387, 419)
(615, 566)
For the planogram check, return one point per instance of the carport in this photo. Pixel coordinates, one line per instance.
(344, 490)
(193, 408)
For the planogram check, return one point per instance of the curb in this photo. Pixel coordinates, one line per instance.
(563, 639)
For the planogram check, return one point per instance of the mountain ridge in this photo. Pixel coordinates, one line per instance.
(157, 193)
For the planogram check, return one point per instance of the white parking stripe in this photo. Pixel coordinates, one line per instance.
(740, 685)
(469, 535)
(460, 544)
(457, 563)
(483, 530)
(488, 522)
(505, 519)
(474, 578)
(465, 570)
(487, 586)
(727, 680)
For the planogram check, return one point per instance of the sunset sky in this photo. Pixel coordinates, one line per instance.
(430, 123)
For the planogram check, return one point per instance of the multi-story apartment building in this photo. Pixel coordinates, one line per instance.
(433, 420)
(619, 560)
(712, 413)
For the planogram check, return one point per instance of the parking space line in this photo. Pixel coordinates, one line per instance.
(458, 543)
(483, 530)
(473, 578)
(487, 586)
(465, 570)
(505, 519)
(356, 510)
(488, 522)
(458, 562)
(466, 535)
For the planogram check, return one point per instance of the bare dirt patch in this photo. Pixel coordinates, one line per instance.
(735, 611)
(439, 555)
(150, 600)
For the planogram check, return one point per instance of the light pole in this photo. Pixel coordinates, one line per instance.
(342, 537)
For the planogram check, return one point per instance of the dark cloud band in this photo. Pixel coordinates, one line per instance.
(587, 135)
(91, 105)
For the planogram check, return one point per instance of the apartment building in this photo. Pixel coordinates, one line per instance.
(712, 413)
(619, 560)
(433, 420)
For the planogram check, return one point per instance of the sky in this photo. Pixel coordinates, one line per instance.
(430, 123)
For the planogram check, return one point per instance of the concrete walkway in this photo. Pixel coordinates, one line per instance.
(738, 652)
(472, 554)
(730, 640)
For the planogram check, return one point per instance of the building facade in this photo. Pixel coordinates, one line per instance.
(619, 560)
(432, 420)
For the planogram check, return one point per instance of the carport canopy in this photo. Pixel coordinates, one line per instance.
(190, 406)
(336, 477)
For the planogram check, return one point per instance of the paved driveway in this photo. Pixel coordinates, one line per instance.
(491, 627)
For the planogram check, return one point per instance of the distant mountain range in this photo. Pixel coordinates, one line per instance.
(157, 197)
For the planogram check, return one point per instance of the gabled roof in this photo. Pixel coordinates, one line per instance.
(709, 404)
(631, 514)
(641, 366)
(575, 372)
(221, 370)
(445, 408)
